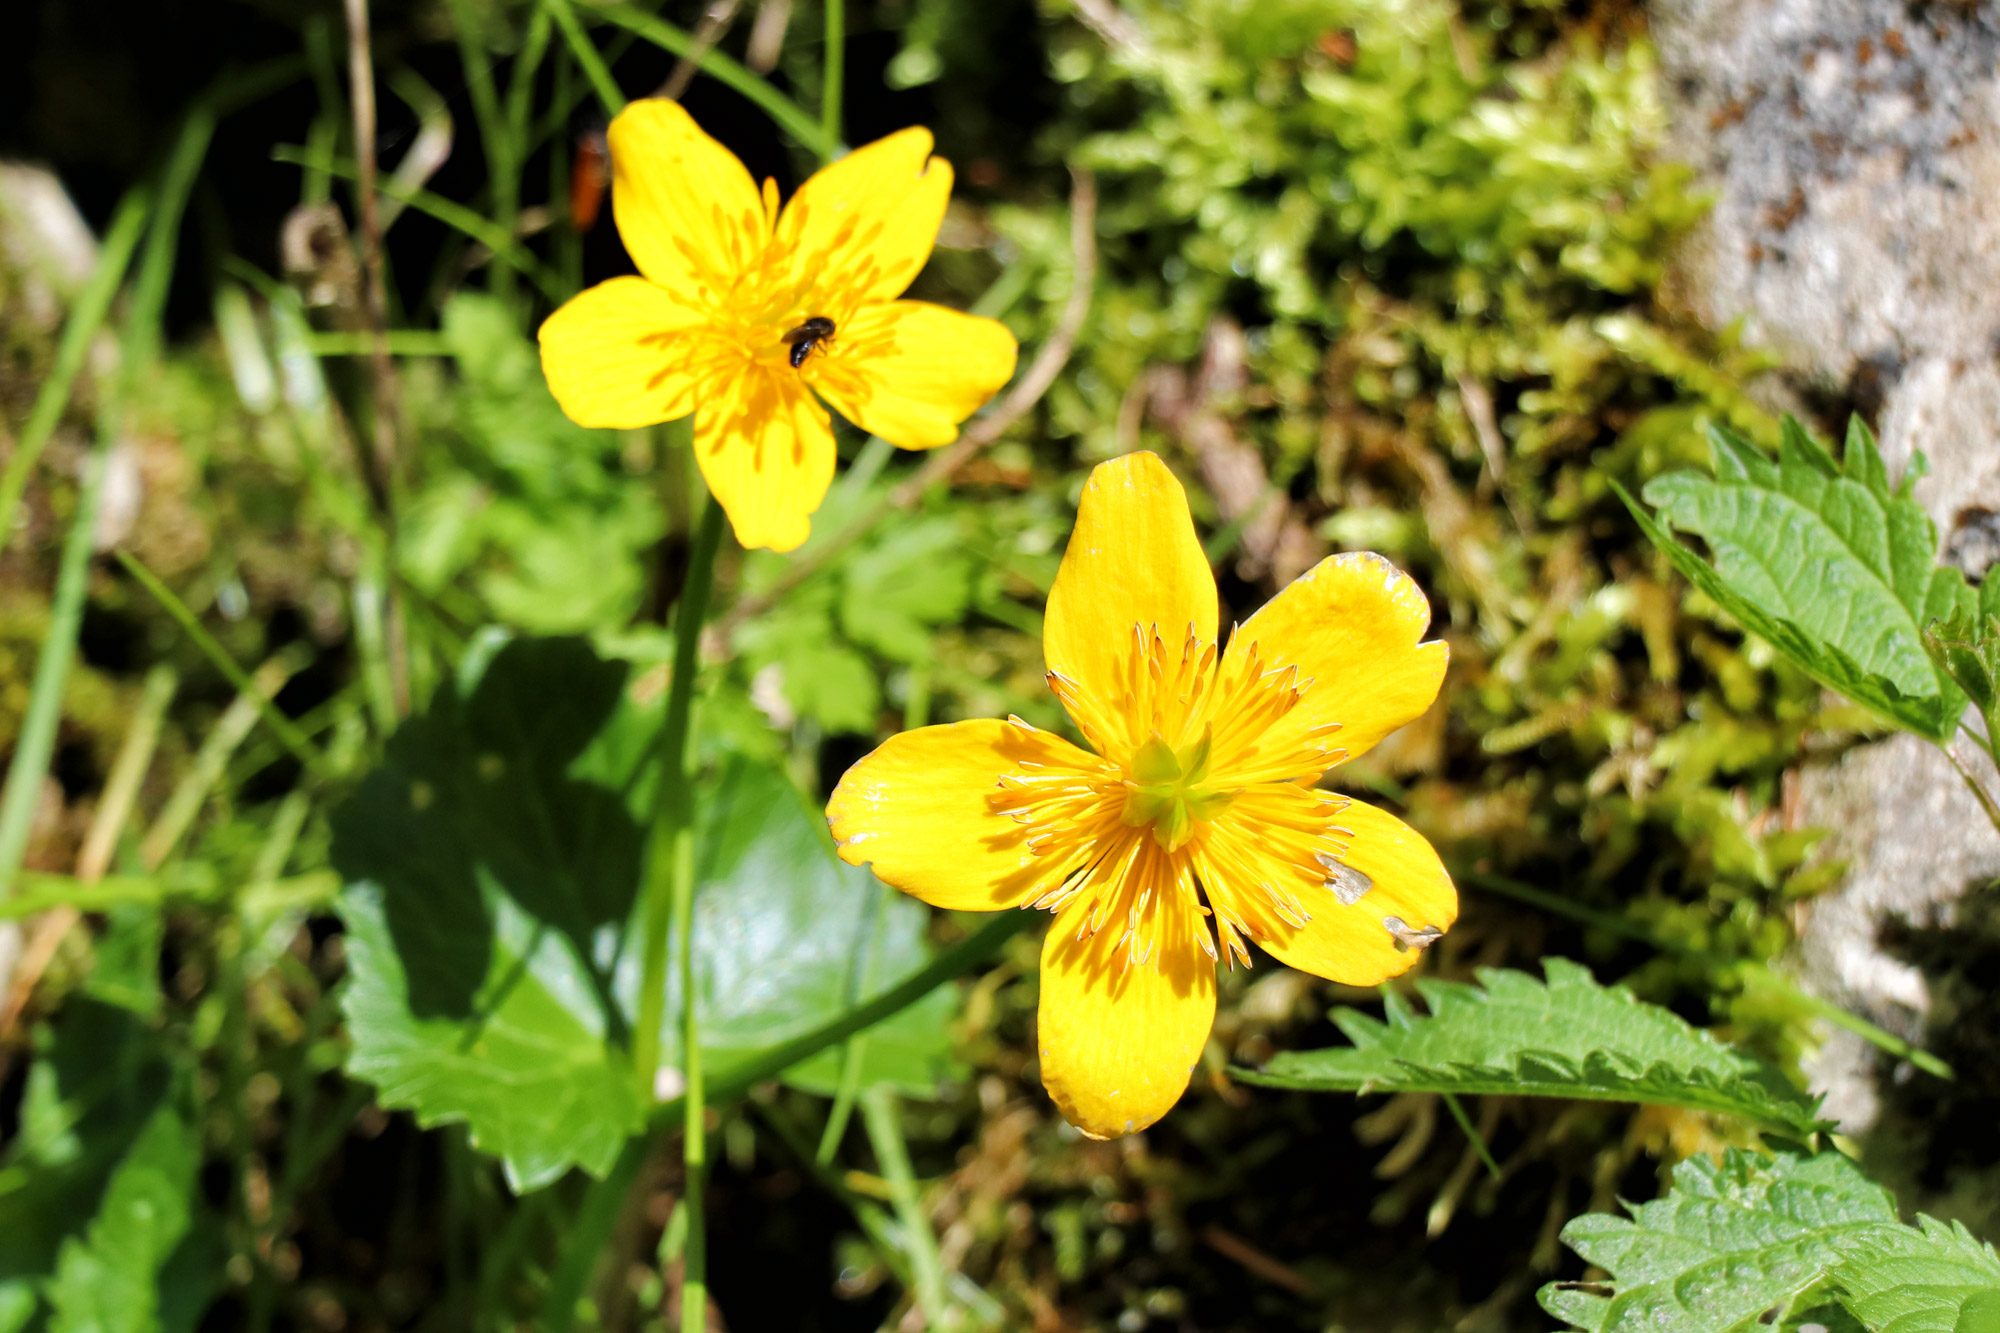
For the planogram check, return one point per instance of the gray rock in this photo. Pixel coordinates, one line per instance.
(1854, 151)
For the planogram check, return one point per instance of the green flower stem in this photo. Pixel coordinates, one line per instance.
(860, 975)
(85, 318)
(587, 1230)
(836, 70)
(669, 912)
(953, 963)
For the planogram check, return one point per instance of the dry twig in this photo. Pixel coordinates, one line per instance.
(383, 460)
(982, 431)
(715, 21)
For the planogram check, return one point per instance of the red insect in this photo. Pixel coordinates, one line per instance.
(588, 176)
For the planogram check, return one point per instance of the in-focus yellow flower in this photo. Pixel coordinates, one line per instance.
(743, 313)
(1197, 810)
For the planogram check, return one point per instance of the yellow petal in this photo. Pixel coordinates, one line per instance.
(766, 450)
(1118, 1039)
(910, 372)
(1133, 564)
(687, 210)
(923, 810)
(859, 230)
(1351, 626)
(1405, 901)
(617, 356)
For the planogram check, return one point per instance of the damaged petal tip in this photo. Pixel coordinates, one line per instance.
(1410, 937)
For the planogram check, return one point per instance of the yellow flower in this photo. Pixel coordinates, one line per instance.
(718, 325)
(1200, 788)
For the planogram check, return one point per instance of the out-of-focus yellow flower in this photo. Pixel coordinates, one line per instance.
(1201, 789)
(743, 313)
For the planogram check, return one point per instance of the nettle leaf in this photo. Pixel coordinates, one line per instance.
(493, 864)
(1930, 1278)
(1735, 1240)
(1568, 1038)
(1966, 647)
(1730, 1242)
(1822, 559)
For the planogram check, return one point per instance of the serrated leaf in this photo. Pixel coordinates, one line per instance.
(1734, 1240)
(1826, 562)
(1730, 1242)
(1930, 1278)
(493, 864)
(1966, 647)
(1569, 1037)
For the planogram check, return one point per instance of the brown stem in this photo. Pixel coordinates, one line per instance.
(982, 431)
(382, 462)
(715, 21)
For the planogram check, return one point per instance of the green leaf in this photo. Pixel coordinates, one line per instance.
(899, 589)
(779, 925)
(487, 885)
(493, 864)
(1966, 647)
(1568, 1038)
(538, 515)
(1734, 1240)
(126, 970)
(108, 1280)
(1931, 1278)
(1837, 571)
(1731, 1241)
(99, 1080)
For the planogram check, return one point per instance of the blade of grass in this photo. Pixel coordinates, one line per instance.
(881, 1114)
(496, 132)
(128, 770)
(594, 68)
(36, 744)
(584, 1237)
(64, 898)
(191, 793)
(784, 112)
(1452, 1104)
(282, 727)
(156, 265)
(85, 318)
(402, 342)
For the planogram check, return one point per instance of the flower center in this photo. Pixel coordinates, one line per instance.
(1169, 789)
